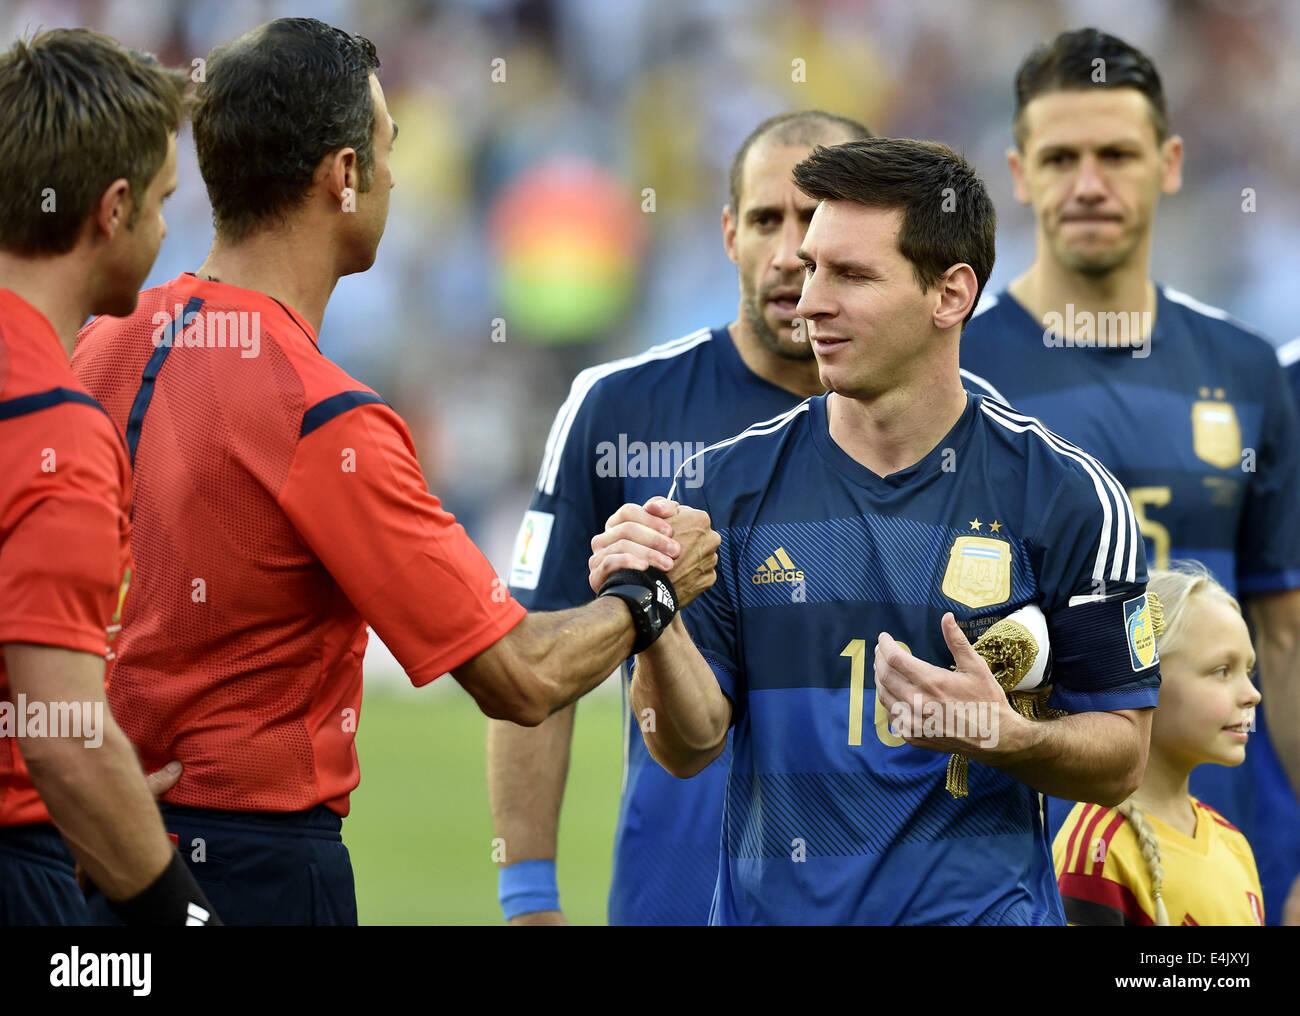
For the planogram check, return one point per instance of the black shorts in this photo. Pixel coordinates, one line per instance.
(36, 881)
(264, 868)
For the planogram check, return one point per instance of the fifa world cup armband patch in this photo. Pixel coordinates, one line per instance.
(1100, 647)
(650, 597)
(1141, 632)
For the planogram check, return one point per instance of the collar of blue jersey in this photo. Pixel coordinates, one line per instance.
(842, 462)
(729, 355)
(1017, 309)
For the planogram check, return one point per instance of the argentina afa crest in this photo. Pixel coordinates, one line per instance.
(1216, 433)
(979, 572)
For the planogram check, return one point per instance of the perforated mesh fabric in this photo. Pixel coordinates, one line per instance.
(233, 626)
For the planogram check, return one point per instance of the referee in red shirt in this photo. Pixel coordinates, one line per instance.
(279, 506)
(88, 142)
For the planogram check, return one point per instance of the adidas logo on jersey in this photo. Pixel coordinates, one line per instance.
(777, 568)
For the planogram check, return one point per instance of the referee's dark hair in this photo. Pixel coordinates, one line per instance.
(276, 101)
(1084, 59)
(802, 127)
(948, 216)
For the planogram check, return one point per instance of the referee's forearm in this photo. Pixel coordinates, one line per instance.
(676, 700)
(548, 660)
(587, 648)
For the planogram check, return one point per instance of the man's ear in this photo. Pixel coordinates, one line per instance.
(957, 291)
(1016, 164)
(113, 209)
(1171, 169)
(729, 225)
(338, 172)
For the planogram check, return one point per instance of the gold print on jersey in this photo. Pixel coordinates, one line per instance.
(1216, 434)
(979, 572)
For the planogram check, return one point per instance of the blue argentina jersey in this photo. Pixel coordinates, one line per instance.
(622, 434)
(1203, 433)
(830, 818)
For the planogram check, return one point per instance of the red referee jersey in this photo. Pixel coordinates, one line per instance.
(278, 509)
(65, 555)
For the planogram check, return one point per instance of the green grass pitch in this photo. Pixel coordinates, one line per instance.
(420, 831)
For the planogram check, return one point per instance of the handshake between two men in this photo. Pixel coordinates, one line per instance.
(692, 714)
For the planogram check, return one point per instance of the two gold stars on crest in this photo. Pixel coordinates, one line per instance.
(994, 526)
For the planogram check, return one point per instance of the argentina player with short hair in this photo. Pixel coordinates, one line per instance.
(918, 514)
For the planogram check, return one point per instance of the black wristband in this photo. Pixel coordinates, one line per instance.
(650, 597)
(174, 898)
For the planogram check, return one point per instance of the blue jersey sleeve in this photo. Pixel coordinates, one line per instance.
(712, 618)
(1268, 542)
(570, 504)
(1091, 568)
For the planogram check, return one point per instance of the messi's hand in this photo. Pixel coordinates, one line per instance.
(963, 711)
(675, 539)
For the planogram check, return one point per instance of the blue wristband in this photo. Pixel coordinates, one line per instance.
(527, 887)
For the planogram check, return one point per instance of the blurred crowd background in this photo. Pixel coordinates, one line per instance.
(523, 244)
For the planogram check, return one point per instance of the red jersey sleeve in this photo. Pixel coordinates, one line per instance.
(357, 497)
(64, 530)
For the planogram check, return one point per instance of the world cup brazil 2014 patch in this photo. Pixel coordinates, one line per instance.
(1141, 635)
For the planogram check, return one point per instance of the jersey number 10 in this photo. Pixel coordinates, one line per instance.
(856, 651)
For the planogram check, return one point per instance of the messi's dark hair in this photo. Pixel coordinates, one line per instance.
(948, 216)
